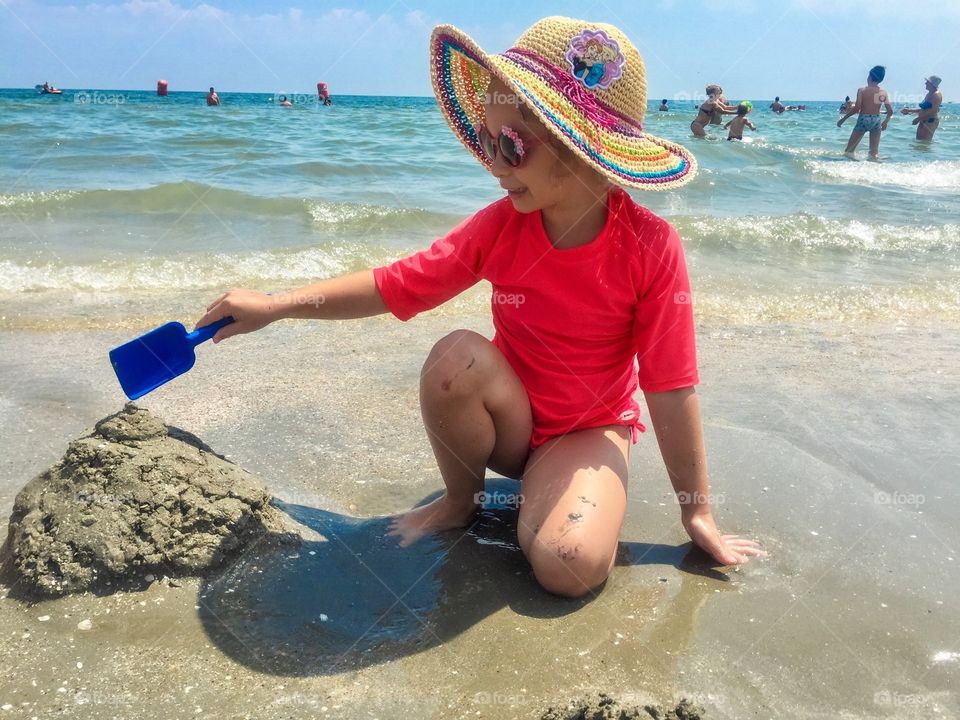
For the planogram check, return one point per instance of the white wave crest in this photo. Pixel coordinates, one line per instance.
(803, 230)
(259, 269)
(935, 175)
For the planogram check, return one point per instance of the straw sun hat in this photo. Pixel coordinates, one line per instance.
(585, 81)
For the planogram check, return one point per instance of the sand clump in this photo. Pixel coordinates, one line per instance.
(604, 707)
(130, 499)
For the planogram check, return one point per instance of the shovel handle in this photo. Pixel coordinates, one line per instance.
(202, 334)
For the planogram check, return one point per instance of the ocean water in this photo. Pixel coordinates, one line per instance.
(119, 207)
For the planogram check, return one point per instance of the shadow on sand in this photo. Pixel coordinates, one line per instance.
(354, 597)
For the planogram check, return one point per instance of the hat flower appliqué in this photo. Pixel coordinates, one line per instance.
(595, 59)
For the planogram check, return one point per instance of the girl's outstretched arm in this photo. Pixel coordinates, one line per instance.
(676, 420)
(341, 298)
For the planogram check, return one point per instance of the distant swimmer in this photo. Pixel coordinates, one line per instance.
(323, 93)
(284, 102)
(847, 105)
(711, 111)
(741, 121)
(777, 106)
(663, 106)
(212, 97)
(869, 100)
(928, 113)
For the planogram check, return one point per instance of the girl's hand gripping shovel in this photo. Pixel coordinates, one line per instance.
(151, 360)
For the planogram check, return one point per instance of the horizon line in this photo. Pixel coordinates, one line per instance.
(314, 94)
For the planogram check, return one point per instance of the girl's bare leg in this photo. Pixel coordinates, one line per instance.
(477, 416)
(574, 499)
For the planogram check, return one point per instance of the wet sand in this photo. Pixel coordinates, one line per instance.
(836, 446)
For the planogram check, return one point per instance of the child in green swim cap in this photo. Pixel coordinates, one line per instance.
(736, 125)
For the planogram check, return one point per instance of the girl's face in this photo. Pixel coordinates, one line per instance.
(549, 174)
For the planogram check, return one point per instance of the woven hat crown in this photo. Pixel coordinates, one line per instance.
(550, 38)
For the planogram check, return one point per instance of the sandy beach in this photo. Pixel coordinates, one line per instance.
(836, 446)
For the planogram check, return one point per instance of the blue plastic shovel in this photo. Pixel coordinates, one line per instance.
(159, 356)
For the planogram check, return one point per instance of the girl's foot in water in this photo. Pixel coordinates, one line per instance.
(437, 516)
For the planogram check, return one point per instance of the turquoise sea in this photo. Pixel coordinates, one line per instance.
(117, 206)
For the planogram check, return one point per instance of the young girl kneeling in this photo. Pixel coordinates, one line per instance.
(590, 301)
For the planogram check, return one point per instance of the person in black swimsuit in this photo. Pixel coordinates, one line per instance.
(711, 111)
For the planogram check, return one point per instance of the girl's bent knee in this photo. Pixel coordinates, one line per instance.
(568, 567)
(570, 581)
(454, 362)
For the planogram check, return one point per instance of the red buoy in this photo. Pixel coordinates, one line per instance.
(161, 87)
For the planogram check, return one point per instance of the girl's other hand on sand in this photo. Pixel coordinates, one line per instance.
(250, 310)
(725, 549)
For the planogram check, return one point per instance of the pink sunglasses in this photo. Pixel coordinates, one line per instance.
(511, 146)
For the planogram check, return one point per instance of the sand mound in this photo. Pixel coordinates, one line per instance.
(135, 497)
(604, 707)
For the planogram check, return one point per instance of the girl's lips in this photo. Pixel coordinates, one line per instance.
(515, 193)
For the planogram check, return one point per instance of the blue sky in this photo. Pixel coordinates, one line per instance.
(798, 49)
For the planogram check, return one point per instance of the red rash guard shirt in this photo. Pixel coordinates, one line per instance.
(584, 327)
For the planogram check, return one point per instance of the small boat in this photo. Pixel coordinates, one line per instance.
(48, 91)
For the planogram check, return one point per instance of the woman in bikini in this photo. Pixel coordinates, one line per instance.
(711, 111)
(928, 114)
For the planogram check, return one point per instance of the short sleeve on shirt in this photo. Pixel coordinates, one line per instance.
(663, 324)
(452, 264)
